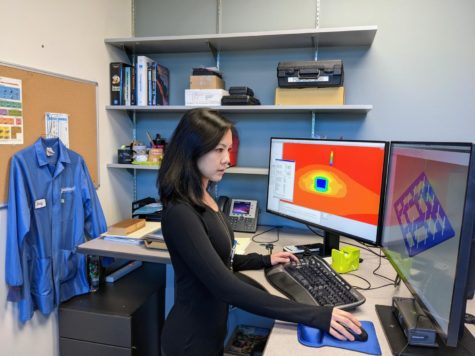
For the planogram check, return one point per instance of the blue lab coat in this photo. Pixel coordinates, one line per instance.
(52, 206)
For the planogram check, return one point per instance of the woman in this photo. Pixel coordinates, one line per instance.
(199, 240)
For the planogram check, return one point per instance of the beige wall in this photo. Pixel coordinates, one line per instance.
(65, 37)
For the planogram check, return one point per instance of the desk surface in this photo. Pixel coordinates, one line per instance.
(283, 338)
(101, 247)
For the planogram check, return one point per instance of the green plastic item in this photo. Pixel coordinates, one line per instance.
(346, 259)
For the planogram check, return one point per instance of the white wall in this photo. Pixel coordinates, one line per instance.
(65, 37)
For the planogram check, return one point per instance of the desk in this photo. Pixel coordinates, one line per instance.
(283, 339)
(101, 247)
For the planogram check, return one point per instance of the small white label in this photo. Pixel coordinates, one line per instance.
(41, 203)
(68, 189)
(308, 80)
(49, 151)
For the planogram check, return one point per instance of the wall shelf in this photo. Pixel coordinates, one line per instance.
(303, 38)
(323, 109)
(313, 39)
(232, 170)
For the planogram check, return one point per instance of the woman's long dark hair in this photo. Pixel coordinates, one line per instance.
(198, 132)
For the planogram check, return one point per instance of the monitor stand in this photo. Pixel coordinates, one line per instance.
(398, 342)
(330, 241)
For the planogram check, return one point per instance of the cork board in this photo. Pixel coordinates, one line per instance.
(46, 92)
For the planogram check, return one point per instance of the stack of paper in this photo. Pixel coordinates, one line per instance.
(136, 237)
(242, 243)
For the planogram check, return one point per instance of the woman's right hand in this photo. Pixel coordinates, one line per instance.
(342, 317)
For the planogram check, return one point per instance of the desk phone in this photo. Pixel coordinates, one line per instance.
(241, 213)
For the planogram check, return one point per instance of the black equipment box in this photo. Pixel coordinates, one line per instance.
(239, 100)
(206, 71)
(308, 74)
(241, 91)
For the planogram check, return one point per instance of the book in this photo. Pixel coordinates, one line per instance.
(125, 227)
(162, 87)
(133, 101)
(118, 82)
(156, 244)
(149, 83)
(141, 83)
(155, 240)
(127, 87)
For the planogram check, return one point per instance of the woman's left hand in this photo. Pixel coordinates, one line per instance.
(282, 257)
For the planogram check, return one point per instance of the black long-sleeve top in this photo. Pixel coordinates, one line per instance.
(200, 244)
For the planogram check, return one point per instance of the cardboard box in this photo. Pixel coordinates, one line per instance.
(204, 97)
(206, 82)
(126, 227)
(310, 96)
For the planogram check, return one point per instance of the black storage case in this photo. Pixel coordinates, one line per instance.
(241, 91)
(310, 74)
(239, 100)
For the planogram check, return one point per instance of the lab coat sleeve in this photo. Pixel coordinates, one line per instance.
(94, 220)
(18, 225)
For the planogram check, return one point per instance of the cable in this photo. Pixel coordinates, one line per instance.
(253, 238)
(380, 275)
(403, 349)
(365, 247)
(369, 283)
(312, 230)
(361, 244)
(364, 279)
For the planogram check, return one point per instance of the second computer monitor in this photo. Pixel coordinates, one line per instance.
(335, 185)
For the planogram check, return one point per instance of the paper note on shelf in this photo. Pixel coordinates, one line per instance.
(155, 235)
(242, 243)
(123, 240)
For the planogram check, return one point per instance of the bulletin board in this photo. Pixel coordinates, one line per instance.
(44, 92)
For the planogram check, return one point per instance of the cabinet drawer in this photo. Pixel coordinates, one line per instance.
(126, 314)
(96, 327)
(71, 347)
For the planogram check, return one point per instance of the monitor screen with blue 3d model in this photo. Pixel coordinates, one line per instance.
(429, 226)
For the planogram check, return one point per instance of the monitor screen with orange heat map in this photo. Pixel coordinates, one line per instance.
(335, 185)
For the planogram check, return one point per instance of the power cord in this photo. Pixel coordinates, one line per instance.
(253, 238)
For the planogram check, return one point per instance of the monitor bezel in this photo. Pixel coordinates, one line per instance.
(323, 227)
(462, 271)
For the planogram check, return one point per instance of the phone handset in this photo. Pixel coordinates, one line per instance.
(224, 204)
(241, 213)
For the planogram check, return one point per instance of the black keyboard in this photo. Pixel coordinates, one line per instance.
(313, 281)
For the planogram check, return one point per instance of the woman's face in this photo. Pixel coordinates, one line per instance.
(213, 164)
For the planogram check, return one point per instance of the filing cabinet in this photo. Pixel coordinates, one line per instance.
(120, 319)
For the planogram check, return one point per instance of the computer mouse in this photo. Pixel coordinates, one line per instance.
(358, 337)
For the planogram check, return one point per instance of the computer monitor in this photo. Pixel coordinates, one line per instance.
(335, 185)
(428, 228)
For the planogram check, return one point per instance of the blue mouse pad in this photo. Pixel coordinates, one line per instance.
(316, 338)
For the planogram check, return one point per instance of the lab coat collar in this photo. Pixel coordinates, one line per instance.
(40, 145)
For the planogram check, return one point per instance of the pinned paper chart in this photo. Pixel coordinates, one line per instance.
(57, 125)
(11, 111)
